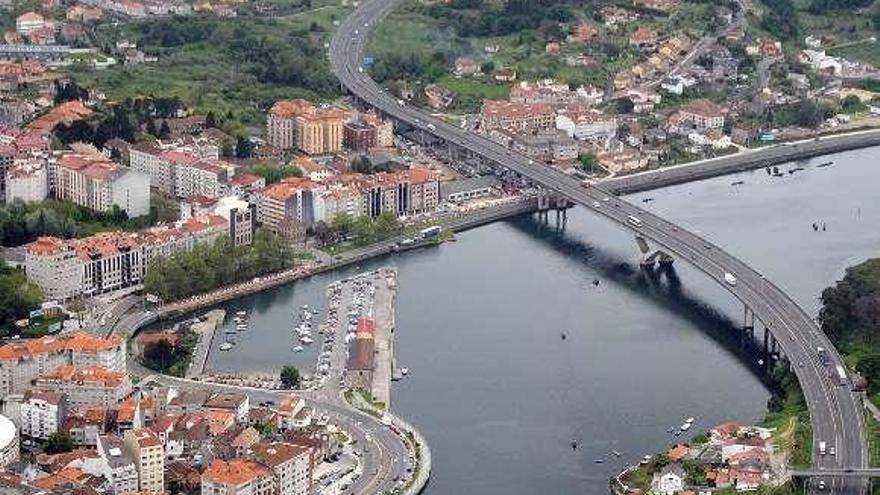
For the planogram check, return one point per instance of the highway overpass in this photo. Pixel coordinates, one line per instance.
(835, 411)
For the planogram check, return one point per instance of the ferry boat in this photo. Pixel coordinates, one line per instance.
(226, 346)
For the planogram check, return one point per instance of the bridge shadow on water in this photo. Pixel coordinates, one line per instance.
(661, 286)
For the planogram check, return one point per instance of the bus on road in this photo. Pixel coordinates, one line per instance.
(634, 221)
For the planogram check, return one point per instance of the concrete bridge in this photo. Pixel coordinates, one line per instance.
(835, 411)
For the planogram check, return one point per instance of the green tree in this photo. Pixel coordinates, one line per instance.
(290, 377)
(588, 161)
(58, 442)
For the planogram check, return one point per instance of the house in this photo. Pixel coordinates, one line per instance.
(466, 66)
(643, 37)
(584, 33)
(29, 22)
(669, 480)
(552, 47)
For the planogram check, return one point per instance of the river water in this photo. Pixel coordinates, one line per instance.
(501, 396)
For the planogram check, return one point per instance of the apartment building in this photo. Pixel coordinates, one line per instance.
(180, 172)
(109, 261)
(299, 124)
(517, 117)
(26, 181)
(149, 458)
(41, 413)
(86, 386)
(586, 124)
(242, 219)
(291, 465)
(358, 136)
(702, 115)
(238, 477)
(118, 466)
(290, 200)
(96, 183)
(22, 362)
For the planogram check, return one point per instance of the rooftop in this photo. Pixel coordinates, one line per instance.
(234, 472)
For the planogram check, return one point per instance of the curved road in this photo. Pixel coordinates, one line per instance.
(835, 411)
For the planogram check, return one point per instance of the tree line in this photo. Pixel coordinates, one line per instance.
(18, 296)
(850, 316)
(209, 266)
(360, 230)
(21, 223)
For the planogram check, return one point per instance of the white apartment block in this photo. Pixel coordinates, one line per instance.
(180, 173)
(118, 466)
(41, 413)
(27, 181)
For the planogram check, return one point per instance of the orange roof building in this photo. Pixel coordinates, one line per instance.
(238, 477)
(299, 124)
(85, 386)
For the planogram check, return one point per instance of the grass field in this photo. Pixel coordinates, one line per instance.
(206, 78)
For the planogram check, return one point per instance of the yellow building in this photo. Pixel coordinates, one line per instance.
(299, 124)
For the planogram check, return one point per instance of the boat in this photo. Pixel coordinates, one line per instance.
(298, 348)
(795, 169)
(690, 420)
(599, 461)
(685, 427)
(616, 453)
(737, 183)
(824, 164)
(306, 340)
(671, 429)
(241, 313)
(241, 327)
(226, 346)
(404, 371)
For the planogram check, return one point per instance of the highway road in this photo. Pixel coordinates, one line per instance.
(835, 411)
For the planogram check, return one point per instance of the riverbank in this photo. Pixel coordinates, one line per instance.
(455, 222)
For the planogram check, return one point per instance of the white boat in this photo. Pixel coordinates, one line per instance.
(298, 348)
(226, 346)
(404, 371)
(241, 327)
(241, 313)
(690, 420)
(306, 340)
(685, 427)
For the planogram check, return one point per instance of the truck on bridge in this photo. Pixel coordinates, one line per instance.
(841, 375)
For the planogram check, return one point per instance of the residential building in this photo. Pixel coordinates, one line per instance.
(118, 466)
(586, 124)
(359, 136)
(236, 403)
(94, 182)
(243, 185)
(291, 465)
(289, 200)
(238, 477)
(669, 480)
(702, 115)
(27, 181)
(149, 457)
(517, 117)
(180, 171)
(109, 261)
(22, 362)
(82, 387)
(29, 22)
(41, 413)
(299, 124)
(384, 129)
(242, 219)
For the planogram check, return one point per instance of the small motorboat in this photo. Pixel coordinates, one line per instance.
(306, 340)
(226, 346)
(737, 183)
(404, 371)
(599, 460)
(298, 348)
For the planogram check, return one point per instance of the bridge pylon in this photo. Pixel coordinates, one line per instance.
(650, 256)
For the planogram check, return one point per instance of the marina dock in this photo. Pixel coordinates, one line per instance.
(206, 328)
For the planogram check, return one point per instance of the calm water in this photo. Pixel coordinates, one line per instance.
(500, 396)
